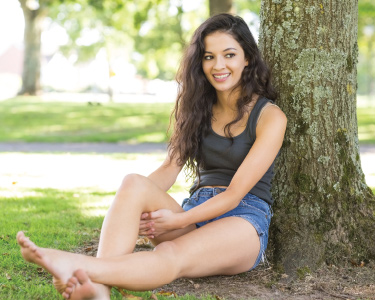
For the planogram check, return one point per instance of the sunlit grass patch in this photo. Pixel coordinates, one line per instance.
(31, 119)
(366, 124)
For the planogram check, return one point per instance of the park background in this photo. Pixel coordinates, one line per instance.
(104, 84)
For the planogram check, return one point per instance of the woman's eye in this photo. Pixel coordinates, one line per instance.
(208, 57)
(230, 55)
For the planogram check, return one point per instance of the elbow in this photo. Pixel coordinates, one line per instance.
(234, 197)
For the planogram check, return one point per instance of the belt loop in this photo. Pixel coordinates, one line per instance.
(215, 191)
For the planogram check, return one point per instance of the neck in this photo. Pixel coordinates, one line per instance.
(227, 100)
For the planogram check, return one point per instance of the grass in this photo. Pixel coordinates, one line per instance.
(366, 124)
(31, 119)
(52, 218)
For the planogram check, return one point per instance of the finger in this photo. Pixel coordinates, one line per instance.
(155, 214)
(146, 225)
(143, 226)
(144, 216)
(146, 231)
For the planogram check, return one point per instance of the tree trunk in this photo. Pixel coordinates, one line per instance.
(324, 211)
(32, 53)
(220, 6)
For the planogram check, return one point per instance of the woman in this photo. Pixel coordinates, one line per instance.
(228, 133)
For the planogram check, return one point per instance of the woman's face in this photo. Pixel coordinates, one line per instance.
(223, 61)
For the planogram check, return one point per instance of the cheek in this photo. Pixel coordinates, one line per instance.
(206, 69)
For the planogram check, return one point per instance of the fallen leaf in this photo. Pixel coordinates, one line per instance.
(153, 297)
(218, 298)
(127, 296)
(4, 237)
(132, 297)
(5, 254)
(196, 285)
(8, 276)
(167, 294)
(14, 182)
(353, 262)
(143, 241)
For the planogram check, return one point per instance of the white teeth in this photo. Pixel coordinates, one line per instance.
(221, 76)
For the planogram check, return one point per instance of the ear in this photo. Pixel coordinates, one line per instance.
(246, 63)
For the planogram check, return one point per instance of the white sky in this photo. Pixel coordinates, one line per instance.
(11, 23)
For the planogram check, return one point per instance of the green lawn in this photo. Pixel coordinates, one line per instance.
(64, 220)
(52, 218)
(366, 124)
(31, 119)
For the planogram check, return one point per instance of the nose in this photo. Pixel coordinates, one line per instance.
(219, 63)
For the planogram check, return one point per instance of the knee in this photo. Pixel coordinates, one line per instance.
(168, 252)
(167, 248)
(132, 181)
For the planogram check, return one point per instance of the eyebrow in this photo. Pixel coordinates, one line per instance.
(223, 50)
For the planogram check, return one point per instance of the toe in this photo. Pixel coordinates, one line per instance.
(73, 281)
(81, 276)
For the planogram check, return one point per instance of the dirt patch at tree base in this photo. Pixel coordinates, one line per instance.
(349, 281)
(344, 282)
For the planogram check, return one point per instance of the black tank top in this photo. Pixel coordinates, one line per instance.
(221, 158)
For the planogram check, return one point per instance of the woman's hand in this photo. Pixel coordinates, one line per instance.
(146, 226)
(163, 221)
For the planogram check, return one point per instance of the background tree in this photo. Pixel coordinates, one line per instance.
(324, 210)
(34, 13)
(220, 6)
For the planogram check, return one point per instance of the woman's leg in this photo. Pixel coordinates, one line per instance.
(119, 232)
(137, 194)
(227, 246)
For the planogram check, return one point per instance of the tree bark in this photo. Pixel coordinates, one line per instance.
(32, 49)
(220, 6)
(324, 211)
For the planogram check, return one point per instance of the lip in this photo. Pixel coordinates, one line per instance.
(220, 74)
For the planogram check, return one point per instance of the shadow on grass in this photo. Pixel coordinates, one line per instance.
(52, 218)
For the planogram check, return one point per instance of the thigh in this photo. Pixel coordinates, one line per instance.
(227, 246)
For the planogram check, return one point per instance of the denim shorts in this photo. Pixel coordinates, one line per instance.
(251, 208)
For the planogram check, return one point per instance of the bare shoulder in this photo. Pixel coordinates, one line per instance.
(272, 115)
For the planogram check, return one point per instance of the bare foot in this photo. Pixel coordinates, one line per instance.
(60, 264)
(80, 287)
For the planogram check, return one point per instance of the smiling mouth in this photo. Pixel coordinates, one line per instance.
(221, 76)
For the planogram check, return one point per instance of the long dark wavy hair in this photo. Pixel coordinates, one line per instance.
(196, 96)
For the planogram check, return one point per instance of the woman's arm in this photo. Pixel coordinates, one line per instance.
(269, 137)
(165, 176)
